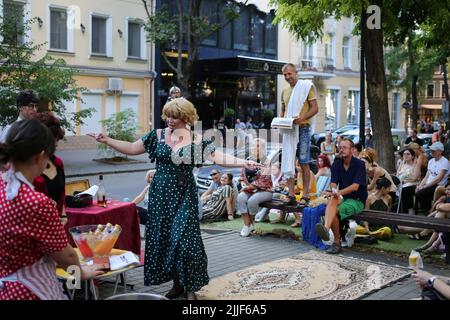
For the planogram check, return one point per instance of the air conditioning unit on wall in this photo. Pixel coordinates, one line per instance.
(114, 85)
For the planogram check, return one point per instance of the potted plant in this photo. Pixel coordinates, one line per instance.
(228, 114)
(267, 116)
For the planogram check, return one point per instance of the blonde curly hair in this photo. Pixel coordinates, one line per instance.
(181, 109)
(369, 154)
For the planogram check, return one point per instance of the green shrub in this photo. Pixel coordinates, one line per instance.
(119, 126)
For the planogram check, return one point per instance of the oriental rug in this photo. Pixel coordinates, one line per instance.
(311, 275)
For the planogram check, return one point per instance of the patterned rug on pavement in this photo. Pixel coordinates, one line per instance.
(311, 275)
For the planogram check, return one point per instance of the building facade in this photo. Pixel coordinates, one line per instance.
(333, 64)
(104, 40)
(237, 67)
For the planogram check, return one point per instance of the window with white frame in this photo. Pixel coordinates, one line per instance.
(13, 13)
(395, 111)
(352, 106)
(134, 39)
(101, 35)
(331, 109)
(329, 49)
(58, 29)
(430, 90)
(346, 52)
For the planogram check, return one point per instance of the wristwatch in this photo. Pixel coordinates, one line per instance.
(430, 282)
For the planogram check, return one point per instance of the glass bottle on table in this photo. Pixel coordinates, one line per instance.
(101, 194)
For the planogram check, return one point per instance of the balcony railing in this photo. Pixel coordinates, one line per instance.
(316, 64)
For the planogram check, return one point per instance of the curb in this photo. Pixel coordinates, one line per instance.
(78, 175)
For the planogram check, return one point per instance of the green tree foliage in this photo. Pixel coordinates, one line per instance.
(183, 32)
(21, 68)
(305, 19)
(120, 126)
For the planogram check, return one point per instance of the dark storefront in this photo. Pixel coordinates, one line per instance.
(237, 66)
(245, 84)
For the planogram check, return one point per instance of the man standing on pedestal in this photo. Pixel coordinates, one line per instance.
(298, 101)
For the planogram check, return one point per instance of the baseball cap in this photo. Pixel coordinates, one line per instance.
(214, 172)
(437, 146)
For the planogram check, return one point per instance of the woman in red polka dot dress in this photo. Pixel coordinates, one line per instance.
(32, 238)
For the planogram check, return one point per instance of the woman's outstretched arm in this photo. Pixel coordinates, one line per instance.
(125, 147)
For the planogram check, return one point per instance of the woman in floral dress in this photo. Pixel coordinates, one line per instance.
(174, 248)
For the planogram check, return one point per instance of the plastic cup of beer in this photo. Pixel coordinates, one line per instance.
(413, 261)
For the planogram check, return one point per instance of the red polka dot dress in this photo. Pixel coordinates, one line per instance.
(29, 229)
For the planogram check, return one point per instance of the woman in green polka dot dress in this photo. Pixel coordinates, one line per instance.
(174, 248)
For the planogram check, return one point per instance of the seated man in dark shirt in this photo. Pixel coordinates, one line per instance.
(349, 174)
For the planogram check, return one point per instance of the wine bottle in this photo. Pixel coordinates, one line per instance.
(101, 194)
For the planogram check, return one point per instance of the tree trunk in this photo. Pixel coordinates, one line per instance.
(377, 97)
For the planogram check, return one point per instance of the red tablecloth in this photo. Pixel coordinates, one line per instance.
(121, 213)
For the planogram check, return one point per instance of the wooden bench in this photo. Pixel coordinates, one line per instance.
(384, 218)
(409, 220)
(280, 205)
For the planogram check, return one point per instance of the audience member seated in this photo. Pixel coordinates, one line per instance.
(433, 287)
(299, 192)
(256, 187)
(323, 166)
(216, 177)
(34, 241)
(375, 171)
(379, 200)
(221, 201)
(143, 197)
(442, 210)
(279, 189)
(328, 148)
(424, 234)
(420, 157)
(349, 175)
(409, 174)
(437, 174)
(52, 181)
(357, 150)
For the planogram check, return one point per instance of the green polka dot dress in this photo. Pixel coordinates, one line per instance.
(173, 240)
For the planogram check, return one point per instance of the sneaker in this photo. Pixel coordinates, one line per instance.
(334, 249)
(245, 231)
(344, 244)
(351, 234)
(322, 232)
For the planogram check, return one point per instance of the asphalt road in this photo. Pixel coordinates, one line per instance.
(119, 186)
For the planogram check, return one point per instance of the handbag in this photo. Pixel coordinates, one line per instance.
(282, 123)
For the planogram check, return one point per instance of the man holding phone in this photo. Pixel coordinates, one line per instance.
(348, 193)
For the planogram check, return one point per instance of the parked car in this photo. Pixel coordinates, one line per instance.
(203, 178)
(398, 137)
(426, 138)
(318, 138)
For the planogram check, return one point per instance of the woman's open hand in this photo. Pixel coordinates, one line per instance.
(99, 137)
(89, 272)
(250, 164)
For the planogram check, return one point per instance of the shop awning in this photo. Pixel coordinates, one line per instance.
(431, 106)
(243, 65)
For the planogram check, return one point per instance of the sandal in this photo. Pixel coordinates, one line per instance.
(418, 236)
(230, 217)
(296, 224)
(304, 202)
(289, 200)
